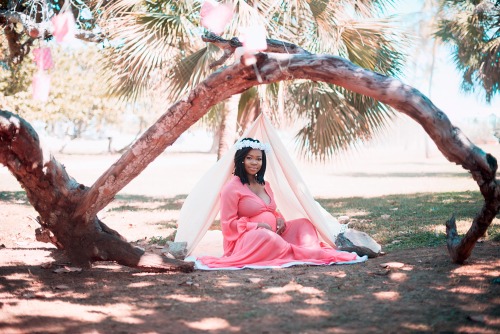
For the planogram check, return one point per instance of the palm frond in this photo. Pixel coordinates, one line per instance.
(248, 109)
(190, 71)
(145, 44)
(375, 46)
(335, 119)
(151, 48)
(370, 8)
(473, 30)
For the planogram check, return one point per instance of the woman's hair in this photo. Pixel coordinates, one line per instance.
(239, 167)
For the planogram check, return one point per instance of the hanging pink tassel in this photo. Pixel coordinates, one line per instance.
(215, 16)
(41, 86)
(253, 40)
(64, 27)
(43, 58)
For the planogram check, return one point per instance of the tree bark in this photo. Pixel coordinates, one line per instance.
(55, 196)
(62, 202)
(229, 125)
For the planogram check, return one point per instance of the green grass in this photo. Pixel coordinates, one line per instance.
(159, 240)
(410, 221)
(396, 221)
(138, 203)
(13, 196)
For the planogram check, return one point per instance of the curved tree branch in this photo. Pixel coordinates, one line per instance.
(82, 204)
(236, 78)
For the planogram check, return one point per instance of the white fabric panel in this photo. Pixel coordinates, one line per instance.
(199, 265)
(290, 191)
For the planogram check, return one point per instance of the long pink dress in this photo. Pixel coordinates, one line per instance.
(245, 245)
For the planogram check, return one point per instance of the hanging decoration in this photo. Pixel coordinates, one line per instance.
(41, 79)
(41, 86)
(215, 16)
(43, 58)
(253, 40)
(64, 29)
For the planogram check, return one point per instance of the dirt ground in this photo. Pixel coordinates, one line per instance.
(411, 291)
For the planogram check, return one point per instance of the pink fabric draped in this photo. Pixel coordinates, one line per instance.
(245, 244)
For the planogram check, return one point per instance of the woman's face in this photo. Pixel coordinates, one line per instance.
(253, 162)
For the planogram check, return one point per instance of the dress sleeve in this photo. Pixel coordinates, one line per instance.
(232, 224)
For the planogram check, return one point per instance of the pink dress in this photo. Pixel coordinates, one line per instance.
(247, 245)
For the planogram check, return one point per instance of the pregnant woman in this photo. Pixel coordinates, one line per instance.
(255, 233)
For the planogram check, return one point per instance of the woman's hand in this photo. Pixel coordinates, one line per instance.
(264, 225)
(280, 225)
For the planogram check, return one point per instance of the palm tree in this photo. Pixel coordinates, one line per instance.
(472, 28)
(159, 49)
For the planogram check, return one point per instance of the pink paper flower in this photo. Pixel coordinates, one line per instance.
(215, 16)
(253, 40)
(41, 86)
(43, 58)
(64, 27)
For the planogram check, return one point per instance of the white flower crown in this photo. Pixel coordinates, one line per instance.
(257, 146)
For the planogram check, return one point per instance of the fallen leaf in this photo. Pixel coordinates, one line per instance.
(189, 282)
(253, 280)
(67, 270)
(396, 265)
(380, 273)
(61, 287)
(46, 265)
(476, 318)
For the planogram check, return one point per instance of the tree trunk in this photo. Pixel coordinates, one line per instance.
(69, 210)
(228, 125)
(56, 196)
(215, 143)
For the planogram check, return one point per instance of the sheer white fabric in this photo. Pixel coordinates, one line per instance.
(291, 194)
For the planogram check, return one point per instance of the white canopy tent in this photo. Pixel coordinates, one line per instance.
(291, 193)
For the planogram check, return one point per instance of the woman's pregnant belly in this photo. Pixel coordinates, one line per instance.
(265, 217)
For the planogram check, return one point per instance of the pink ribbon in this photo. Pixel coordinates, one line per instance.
(41, 86)
(64, 27)
(43, 58)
